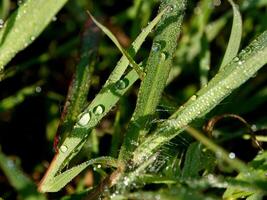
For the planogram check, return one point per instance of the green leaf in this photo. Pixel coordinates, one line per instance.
(238, 71)
(59, 181)
(116, 42)
(21, 183)
(235, 37)
(24, 26)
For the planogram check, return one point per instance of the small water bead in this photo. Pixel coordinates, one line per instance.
(231, 155)
(84, 120)
(99, 166)
(121, 84)
(171, 8)
(1, 23)
(38, 89)
(32, 38)
(193, 98)
(156, 47)
(63, 149)
(98, 110)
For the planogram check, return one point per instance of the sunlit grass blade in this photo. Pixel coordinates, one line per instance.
(238, 71)
(116, 42)
(158, 68)
(59, 181)
(235, 37)
(24, 26)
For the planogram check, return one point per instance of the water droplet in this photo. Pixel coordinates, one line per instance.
(216, 2)
(121, 84)
(98, 110)
(156, 47)
(63, 149)
(85, 118)
(38, 89)
(254, 127)
(32, 38)
(1, 23)
(20, 2)
(240, 62)
(193, 98)
(54, 19)
(171, 8)
(99, 166)
(162, 56)
(232, 155)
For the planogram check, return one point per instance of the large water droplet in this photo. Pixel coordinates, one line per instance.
(156, 47)
(121, 84)
(193, 98)
(63, 149)
(85, 118)
(98, 110)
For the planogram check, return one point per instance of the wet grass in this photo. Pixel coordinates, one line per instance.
(181, 115)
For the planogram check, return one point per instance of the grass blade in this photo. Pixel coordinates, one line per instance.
(158, 67)
(116, 42)
(24, 26)
(239, 70)
(59, 181)
(25, 187)
(235, 37)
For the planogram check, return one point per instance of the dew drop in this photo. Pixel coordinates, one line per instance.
(38, 89)
(163, 56)
(254, 127)
(98, 110)
(20, 2)
(156, 47)
(121, 84)
(1, 23)
(54, 19)
(85, 118)
(171, 8)
(193, 98)
(63, 149)
(99, 166)
(216, 2)
(231, 155)
(32, 38)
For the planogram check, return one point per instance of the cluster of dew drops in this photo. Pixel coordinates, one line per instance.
(98, 110)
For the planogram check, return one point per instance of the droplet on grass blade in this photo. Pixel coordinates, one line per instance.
(98, 110)
(84, 120)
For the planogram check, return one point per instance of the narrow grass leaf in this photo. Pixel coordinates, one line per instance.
(24, 26)
(238, 71)
(235, 37)
(116, 42)
(59, 181)
(26, 188)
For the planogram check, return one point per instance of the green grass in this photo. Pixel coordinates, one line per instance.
(133, 131)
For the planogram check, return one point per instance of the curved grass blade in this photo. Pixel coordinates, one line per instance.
(116, 42)
(235, 37)
(24, 25)
(238, 71)
(59, 181)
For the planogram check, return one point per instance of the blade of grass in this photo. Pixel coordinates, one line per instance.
(79, 88)
(235, 37)
(21, 183)
(59, 181)
(24, 26)
(238, 71)
(158, 67)
(116, 42)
